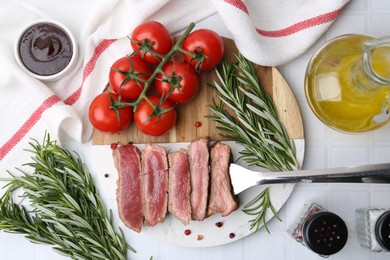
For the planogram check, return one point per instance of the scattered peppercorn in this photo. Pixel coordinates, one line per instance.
(113, 146)
(200, 237)
(106, 175)
(198, 124)
(232, 235)
(187, 232)
(219, 224)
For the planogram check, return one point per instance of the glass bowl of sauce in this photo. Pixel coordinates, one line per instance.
(47, 50)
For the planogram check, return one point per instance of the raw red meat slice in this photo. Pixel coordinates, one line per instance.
(222, 199)
(198, 153)
(179, 186)
(155, 183)
(129, 190)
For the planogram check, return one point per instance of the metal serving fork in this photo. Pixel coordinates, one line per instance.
(243, 178)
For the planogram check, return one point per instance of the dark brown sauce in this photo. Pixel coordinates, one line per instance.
(45, 49)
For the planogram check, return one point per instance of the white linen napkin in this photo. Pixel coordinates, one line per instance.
(274, 32)
(266, 32)
(29, 107)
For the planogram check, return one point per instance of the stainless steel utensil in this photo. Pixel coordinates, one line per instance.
(243, 178)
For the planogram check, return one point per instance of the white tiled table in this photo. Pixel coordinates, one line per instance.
(324, 148)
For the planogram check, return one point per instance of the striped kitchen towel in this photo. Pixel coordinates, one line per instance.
(274, 32)
(266, 32)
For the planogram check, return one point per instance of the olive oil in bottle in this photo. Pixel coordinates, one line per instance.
(347, 83)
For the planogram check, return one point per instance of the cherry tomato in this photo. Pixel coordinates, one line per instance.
(182, 83)
(152, 125)
(123, 76)
(207, 46)
(103, 118)
(151, 36)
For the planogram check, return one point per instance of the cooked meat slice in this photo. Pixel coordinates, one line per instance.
(179, 186)
(222, 199)
(198, 153)
(155, 183)
(129, 190)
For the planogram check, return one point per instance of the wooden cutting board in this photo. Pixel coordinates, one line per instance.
(196, 110)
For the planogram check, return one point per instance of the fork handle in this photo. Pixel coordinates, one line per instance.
(376, 173)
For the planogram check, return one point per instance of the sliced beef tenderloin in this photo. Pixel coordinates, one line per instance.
(222, 199)
(129, 190)
(155, 183)
(198, 153)
(179, 186)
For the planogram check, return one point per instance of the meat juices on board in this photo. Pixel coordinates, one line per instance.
(129, 189)
(198, 152)
(155, 183)
(179, 190)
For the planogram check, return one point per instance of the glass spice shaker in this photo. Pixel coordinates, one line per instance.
(322, 231)
(373, 228)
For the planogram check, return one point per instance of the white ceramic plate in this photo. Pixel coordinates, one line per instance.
(172, 230)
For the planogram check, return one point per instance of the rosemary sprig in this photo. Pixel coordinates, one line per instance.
(66, 209)
(246, 114)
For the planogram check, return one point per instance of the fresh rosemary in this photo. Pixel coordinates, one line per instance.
(246, 114)
(64, 210)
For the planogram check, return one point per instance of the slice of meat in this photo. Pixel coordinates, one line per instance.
(129, 190)
(198, 153)
(155, 183)
(179, 186)
(222, 199)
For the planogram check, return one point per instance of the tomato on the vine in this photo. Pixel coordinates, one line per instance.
(128, 75)
(151, 36)
(206, 47)
(182, 83)
(104, 118)
(148, 122)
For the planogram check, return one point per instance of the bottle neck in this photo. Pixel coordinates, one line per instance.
(375, 63)
(365, 78)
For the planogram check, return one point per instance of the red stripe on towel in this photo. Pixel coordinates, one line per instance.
(50, 101)
(89, 67)
(238, 4)
(305, 24)
(25, 128)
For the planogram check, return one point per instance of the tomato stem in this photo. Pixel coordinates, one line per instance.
(197, 55)
(164, 59)
(146, 47)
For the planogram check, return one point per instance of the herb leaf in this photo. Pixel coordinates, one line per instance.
(66, 209)
(246, 114)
